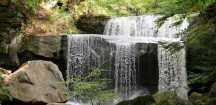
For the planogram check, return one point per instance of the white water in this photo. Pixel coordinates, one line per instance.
(120, 39)
(132, 26)
(172, 71)
(125, 72)
(169, 30)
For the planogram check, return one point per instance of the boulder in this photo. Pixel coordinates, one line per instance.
(144, 100)
(169, 98)
(24, 48)
(211, 101)
(46, 46)
(43, 47)
(141, 100)
(38, 82)
(198, 98)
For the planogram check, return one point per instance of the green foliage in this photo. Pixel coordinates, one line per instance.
(91, 88)
(113, 7)
(201, 53)
(31, 5)
(202, 46)
(4, 93)
(171, 7)
(61, 22)
(139, 7)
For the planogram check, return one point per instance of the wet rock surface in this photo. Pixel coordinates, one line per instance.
(92, 24)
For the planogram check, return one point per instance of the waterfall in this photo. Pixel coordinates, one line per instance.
(125, 69)
(170, 30)
(172, 70)
(135, 26)
(86, 52)
(117, 51)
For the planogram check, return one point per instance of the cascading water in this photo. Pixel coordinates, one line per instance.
(125, 69)
(134, 26)
(118, 48)
(172, 73)
(125, 58)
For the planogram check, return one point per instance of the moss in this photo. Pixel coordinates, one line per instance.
(198, 98)
(169, 98)
(212, 92)
(144, 100)
(211, 101)
(201, 52)
(125, 103)
(141, 100)
(4, 92)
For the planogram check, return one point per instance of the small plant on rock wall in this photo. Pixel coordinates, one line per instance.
(91, 88)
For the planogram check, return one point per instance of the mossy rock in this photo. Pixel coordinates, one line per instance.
(212, 92)
(144, 100)
(196, 95)
(141, 100)
(128, 102)
(211, 101)
(169, 98)
(198, 98)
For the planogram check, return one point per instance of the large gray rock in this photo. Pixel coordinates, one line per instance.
(46, 46)
(39, 47)
(38, 81)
